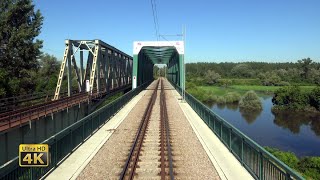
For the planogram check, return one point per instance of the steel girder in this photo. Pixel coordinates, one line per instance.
(106, 66)
(148, 53)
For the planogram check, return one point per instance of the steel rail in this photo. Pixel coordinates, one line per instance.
(165, 132)
(137, 144)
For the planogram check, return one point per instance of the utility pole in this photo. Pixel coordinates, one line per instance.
(184, 64)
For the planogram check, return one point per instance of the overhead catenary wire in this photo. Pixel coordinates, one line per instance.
(155, 17)
(156, 13)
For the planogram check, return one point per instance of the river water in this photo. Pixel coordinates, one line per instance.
(298, 133)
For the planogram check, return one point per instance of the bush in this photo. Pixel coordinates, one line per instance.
(288, 158)
(211, 77)
(314, 98)
(290, 97)
(202, 95)
(229, 82)
(221, 100)
(232, 97)
(190, 85)
(283, 83)
(250, 101)
(270, 78)
(310, 167)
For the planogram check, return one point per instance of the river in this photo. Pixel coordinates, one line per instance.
(298, 133)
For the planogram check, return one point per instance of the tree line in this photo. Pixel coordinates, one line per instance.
(304, 71)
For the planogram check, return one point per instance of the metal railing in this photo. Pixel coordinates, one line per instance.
(24, 101)
(260, 163)
(68, 140)
(21, 116)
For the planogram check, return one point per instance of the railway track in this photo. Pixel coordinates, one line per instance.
(24, 115)
(144, 157)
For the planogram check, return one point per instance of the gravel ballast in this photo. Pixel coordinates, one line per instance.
(190, 160)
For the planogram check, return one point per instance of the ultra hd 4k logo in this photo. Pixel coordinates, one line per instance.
(33, 155)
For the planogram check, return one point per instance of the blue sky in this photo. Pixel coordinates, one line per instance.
(217, 30)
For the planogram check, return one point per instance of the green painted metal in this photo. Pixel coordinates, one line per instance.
(68, 140)
(175, 65)
(181, 71)
(134, 71)
(148, 53)
(159, 55)
(259, 162)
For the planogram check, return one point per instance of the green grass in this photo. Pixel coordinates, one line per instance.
(265, 88)
(219, 91)
(241, 89)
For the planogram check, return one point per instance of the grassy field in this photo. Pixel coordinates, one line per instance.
(244, 88)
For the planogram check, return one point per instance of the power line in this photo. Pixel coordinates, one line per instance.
(156, 12)
(155, 18)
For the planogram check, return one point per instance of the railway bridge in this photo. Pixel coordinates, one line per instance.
(154, 130)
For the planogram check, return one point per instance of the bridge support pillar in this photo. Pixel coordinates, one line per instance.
(69, 70)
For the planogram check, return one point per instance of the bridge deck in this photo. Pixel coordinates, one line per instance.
(202, 153)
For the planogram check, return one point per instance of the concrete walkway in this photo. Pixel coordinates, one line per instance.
(77, 161)
(226, 164)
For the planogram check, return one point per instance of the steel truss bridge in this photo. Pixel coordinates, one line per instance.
(95, 70)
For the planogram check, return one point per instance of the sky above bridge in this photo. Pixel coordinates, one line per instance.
(217, 30)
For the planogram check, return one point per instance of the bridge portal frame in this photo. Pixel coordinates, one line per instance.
(156, 52)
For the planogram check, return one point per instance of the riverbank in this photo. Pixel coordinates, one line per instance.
(220, 90)
(232, 94)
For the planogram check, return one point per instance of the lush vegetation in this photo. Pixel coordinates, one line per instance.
(303, 72)
(211, 82)
(24, 69)
(19, 49)
(250, 102)
(309, 167)
(293, 98)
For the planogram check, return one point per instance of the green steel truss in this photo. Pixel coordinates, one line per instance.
(106, 66)
(148, 53)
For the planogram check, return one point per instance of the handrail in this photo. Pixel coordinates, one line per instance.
(278, 168)
(8, 104)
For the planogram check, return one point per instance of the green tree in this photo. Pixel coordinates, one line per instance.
(47, 75)
(315, 75)
(305, 65)
(269, 78)
(287, 157)
(290, 97)
(3, 82)
(315, 98)
(310, 167)
(242, 70)
(212, 77)
(20, 24)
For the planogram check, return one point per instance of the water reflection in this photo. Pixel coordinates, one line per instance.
(294, 120)
(250, 116)
(230, 106)
(315, 126)
(289, 131)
